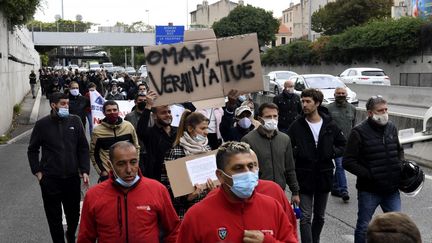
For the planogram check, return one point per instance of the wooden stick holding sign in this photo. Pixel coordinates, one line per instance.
(204, 69)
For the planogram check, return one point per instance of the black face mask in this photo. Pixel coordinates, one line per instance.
(141, 105)
(340, 99)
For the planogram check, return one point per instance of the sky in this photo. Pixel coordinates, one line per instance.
(156, 12)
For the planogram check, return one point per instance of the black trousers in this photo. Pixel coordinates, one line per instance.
(58, 192)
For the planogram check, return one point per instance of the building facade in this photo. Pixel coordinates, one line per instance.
(297, 18)
(206, 14)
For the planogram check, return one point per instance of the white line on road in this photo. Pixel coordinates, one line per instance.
(428, 177)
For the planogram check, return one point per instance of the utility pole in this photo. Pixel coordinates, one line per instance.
(310, 20)
(125, 57)
(62, 9)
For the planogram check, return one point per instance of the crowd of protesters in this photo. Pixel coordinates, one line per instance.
(260, 150)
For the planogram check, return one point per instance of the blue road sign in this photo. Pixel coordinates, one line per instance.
(169, 34)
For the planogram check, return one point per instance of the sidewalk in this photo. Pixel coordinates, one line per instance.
(28, 116)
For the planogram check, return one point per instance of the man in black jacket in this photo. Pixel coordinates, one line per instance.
(374, 155)
(65, 155)
(78, 104)
(157, 139)
(289, 106)
(316, 141)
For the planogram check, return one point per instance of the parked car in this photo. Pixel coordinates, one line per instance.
(325, 83)
(118, 69)
(73, 67)
(277, 80)
(94, 66)
(108, 67)
(83, 69)
(130, 70)
(58, 67)
(142, 71)
(372, 76)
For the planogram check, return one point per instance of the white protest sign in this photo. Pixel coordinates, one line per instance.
(201, 169)
(96, 104)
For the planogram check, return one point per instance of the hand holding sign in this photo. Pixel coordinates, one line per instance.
(232, 97)
(150, 98)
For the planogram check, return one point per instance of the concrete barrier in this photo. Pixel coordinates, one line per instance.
(397, 95)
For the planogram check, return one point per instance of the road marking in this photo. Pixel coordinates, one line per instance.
(428, 177)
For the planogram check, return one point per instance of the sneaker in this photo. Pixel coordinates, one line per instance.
(345, 197)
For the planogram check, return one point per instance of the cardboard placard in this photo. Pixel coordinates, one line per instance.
(178, 176)
(203, 67)
(240, 63)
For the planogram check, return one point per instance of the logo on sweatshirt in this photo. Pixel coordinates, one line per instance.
(144, 207)
(222, 232)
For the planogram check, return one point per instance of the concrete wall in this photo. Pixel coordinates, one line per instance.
(415, 64)
(14, 82)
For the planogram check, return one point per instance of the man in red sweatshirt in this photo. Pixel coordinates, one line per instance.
(127, 207)
(235, 213)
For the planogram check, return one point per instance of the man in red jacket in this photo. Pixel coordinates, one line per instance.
(235, 213)
(127, 207)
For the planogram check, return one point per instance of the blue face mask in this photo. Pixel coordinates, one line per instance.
(125, 184)
(63, 112)
(199, 138)
(243, 183)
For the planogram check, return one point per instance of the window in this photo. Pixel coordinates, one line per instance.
(290, 17)
(283, 40)
(273, 43)
(352, 73)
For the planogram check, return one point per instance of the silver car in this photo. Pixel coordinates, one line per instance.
(325, 83)
(277, 80)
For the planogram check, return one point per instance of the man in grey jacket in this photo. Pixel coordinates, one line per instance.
(274, 150)
(344, 114)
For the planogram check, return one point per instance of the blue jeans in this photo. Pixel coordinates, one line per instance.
(90, 122)
(367, 204)
(339, 179)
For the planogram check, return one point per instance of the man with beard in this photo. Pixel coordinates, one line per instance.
(65, 155)
(111, 130)
(344, 114)
(157, 139)
(78, 104)
(316, 141)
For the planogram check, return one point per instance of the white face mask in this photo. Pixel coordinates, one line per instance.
(74, 92)
(381, 119)
(270, 124)
(245, 122)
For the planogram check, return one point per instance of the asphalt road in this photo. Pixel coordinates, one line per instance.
(22, 217)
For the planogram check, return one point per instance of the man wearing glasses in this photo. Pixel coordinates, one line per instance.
(373, 153)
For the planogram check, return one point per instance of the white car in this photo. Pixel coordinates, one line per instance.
(142, 71)
(277, 80)
(325, 83)
(94, 67)
(371, 76)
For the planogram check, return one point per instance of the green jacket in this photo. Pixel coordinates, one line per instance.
(275, 157)
(344, 115)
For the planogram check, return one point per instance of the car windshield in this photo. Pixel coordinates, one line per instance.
(373, 73)
(323, 82)
(284, 75)
(94, 65)
(143, 69)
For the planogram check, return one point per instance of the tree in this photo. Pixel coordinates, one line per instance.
(19, 12)
(139, 27)
(248, 19)
(338, 16)
(60, 25)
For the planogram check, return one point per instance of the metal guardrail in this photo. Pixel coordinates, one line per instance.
(416, 79)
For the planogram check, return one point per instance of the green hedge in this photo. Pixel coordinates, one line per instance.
(387, 40)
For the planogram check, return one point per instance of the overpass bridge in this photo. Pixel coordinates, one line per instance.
(92, 39)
